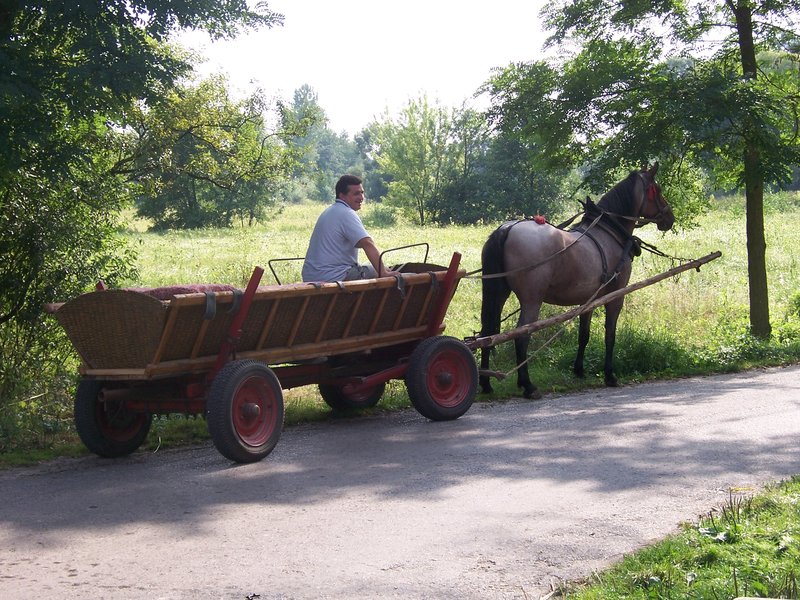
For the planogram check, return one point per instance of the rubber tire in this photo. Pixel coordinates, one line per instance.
(238, 437)
(338, 400)
(442, 378)
(106, 428)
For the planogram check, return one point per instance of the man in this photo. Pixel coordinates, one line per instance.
(333, 249)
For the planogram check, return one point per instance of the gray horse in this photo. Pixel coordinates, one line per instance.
(542, 263)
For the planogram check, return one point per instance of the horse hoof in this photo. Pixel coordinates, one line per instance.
(486, 389)
(533, 394)
(612, 382)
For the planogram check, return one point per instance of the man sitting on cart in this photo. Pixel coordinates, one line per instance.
(338, 234)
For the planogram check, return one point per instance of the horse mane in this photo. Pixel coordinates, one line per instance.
(619, 199)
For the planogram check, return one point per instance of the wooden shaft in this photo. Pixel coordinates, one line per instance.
(493, 340)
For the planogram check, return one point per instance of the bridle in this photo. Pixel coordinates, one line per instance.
(652, 193)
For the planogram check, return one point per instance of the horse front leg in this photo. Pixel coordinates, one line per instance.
(521, 350)
(583, 340)
(612, 314)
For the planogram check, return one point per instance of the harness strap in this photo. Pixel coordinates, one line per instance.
(237, 301)
(401, 285)
(211, 306)
(434, 282)
(534, 265)
(604, 276)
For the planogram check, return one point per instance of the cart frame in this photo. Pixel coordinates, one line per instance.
(228, 355)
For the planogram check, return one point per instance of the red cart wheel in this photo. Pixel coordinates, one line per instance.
(442, 378)
(244, 410)
(337, 399)
(107, 428)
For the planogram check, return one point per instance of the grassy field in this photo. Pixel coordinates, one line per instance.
(695, 323)
(692, 324)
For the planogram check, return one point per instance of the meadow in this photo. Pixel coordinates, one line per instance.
(694, 323)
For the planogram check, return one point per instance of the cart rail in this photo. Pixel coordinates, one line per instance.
(125, 334)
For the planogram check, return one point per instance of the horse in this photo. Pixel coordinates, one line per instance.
(543, 263)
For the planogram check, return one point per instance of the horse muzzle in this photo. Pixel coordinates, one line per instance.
(665, 220)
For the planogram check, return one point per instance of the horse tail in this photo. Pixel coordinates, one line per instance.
(494, 290)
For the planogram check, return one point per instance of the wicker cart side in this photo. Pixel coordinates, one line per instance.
(113, 329)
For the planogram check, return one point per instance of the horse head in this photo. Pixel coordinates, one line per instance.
(654, 207)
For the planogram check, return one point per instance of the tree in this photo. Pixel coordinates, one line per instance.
(201, 159)
(325, 154)
(376, 184)
(413, 151)
(70, 75)
(461, 198)
(494, 175)
(650, 80)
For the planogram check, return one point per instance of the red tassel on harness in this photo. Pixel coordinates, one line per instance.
(540, 219)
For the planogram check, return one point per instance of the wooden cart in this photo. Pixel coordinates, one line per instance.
(229, 354)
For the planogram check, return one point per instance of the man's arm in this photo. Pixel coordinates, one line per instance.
(373, 254)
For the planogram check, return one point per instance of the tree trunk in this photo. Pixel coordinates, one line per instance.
(756, 247)
(754, 189)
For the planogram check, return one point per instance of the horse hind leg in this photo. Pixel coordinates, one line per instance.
(583, 339)
(495, 294)
(521, 344)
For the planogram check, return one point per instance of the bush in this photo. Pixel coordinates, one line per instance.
(37, 377)
(381, 215)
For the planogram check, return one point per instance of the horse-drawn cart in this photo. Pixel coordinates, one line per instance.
(228, 354)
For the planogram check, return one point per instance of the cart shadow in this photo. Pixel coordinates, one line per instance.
(610, 440)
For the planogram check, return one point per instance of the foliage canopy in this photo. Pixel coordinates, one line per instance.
(72, 75)
(707, 88)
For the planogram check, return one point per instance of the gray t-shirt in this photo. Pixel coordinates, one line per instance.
(332, 249)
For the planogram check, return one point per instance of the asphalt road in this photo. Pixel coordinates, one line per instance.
(502, 503)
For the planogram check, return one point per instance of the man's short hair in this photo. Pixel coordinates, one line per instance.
(345, 181)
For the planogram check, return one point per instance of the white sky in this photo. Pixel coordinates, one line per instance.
(363, 57)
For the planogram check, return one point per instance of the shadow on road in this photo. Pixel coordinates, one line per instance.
(625, 438)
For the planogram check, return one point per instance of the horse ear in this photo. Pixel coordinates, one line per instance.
(654, 170)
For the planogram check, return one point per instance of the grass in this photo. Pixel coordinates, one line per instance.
(750, 546)
(696, 323)
(693, 324)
